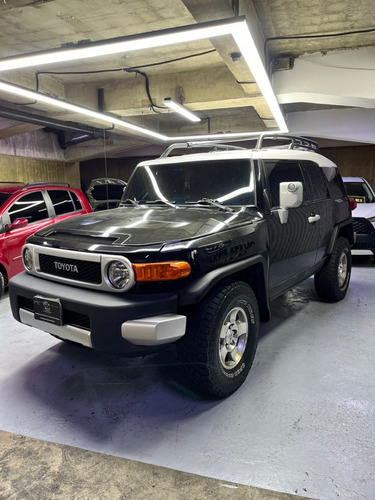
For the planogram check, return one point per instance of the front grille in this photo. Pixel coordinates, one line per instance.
(363, 226)
(71, 318)
(72, 269)
(91, 240)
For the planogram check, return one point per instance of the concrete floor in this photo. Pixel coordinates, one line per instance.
(303, 422)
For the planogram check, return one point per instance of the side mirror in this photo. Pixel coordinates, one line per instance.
(17, 224)
(291, 196)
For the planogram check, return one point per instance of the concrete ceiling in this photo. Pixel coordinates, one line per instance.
(320, 57)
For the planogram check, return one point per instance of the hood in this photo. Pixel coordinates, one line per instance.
(365, 210)
(150, 225)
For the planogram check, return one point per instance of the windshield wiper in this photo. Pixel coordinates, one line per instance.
(212, 203)
(155, 202)
(128, 200)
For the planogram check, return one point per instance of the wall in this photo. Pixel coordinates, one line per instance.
(119, 168)
(354, 161)
(21, 169)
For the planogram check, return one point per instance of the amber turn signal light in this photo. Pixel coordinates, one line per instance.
(161, 271)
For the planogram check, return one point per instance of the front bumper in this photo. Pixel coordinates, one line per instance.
(365, 235)
(129, 324)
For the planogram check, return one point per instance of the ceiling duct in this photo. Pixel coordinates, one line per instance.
(85, 133)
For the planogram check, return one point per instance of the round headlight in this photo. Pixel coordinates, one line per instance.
(28, 259)
(118, 274)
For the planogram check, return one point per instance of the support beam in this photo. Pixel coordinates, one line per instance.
(341, 78)
(214, 9)
(353, 125)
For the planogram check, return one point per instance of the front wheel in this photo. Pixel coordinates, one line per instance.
(219, 346)
(332, 281)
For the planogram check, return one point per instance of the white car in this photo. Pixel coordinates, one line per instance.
(360, 190)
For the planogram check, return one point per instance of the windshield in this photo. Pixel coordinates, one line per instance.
(360, 192)
(227, 182)
(4, 197)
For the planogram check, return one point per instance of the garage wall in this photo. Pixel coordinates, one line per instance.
(354, 161)
(16, 168)
(119, 168)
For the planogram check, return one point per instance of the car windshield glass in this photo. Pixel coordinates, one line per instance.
(4, 197)
(360, 192)
(228, 182)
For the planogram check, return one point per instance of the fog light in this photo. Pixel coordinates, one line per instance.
(28, 259)
(118, 274)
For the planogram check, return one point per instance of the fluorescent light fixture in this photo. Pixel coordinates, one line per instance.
(237, 27)
(124, 44)
(29, 94)
(181, 110)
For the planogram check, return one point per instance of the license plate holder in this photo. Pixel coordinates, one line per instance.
(48, 309)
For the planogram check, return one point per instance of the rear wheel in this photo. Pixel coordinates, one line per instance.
(221, 339)
(332, 281)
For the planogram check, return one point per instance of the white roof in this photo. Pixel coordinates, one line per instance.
(352, 179)
(270, 154)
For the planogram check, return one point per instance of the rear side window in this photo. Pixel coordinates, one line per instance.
(61, 201)
(77, 203)
(30, 206)
(317, 183)
(281, 171)
(335, 183)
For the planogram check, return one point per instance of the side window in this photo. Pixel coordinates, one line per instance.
(77, 203)
(61, 201)
(335, 183)
(31, 207)
(318, 186)
(281, 171)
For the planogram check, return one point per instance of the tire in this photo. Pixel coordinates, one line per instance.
(2, 284)
(215, 359)
(332, 281)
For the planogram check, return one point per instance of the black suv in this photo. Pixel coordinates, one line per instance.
(198, 247)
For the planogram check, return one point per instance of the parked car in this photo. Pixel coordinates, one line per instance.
(361, 192)
(25, 208)
(197, 249)
(105, 193)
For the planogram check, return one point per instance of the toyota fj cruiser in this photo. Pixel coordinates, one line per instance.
(198, 247)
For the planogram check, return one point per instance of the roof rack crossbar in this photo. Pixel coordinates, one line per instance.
(31, 184)
(296, 142)
(212, 145)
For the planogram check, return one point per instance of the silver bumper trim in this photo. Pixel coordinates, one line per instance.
(66, 332)
(154, 330)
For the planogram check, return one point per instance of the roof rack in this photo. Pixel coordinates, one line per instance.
(32, 184)
(211, 145)
(295, 141)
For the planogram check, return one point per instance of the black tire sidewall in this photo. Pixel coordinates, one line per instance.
(226, 381)
(327, 280)
(244, 365)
